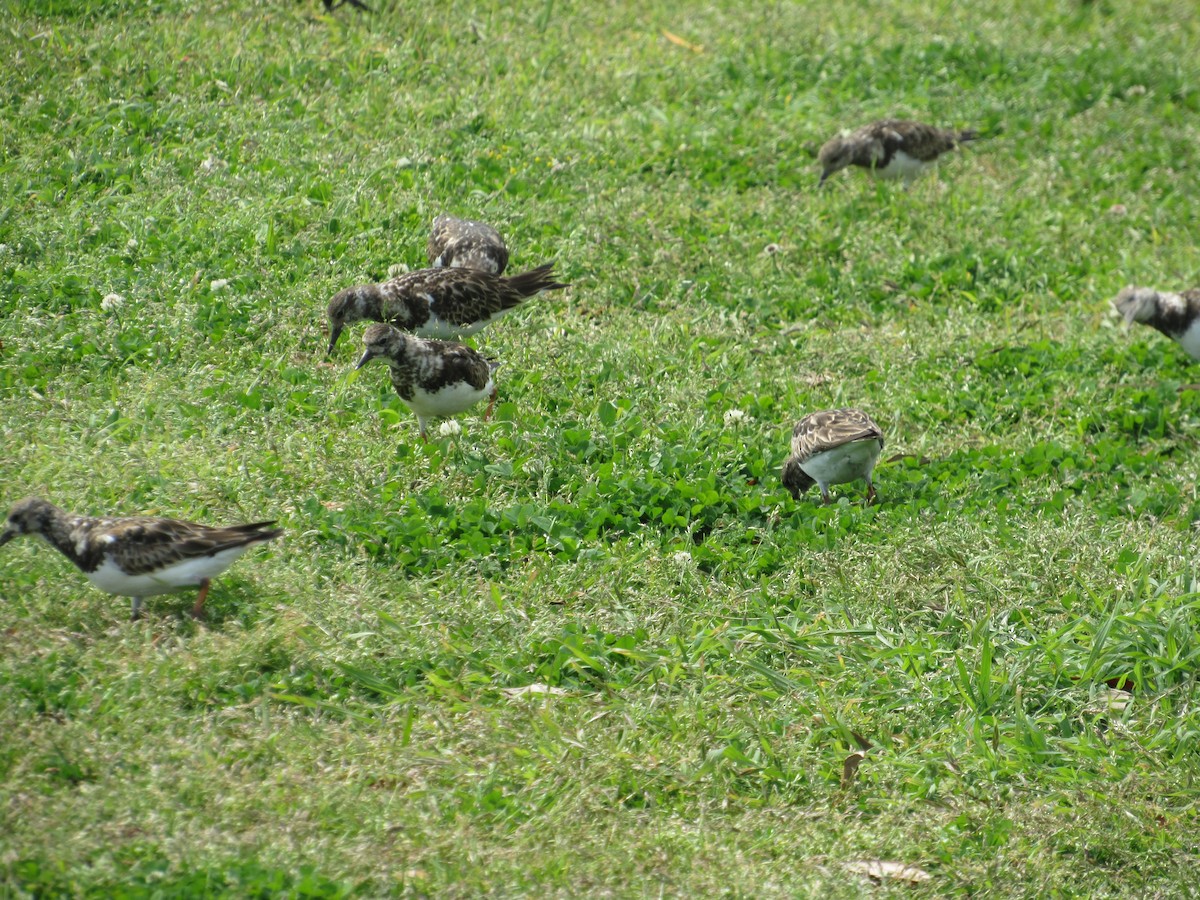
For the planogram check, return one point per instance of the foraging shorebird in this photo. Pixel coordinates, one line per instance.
(438, 303)
(139, 556)
(466, 244)
(890, 148)
(433, 378)
(1175, 315)
(833, 446)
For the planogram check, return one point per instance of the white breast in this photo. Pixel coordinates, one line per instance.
(451, 399)
(442, 330)
(848, 462)
(902, 166)
(1190, 340)
(186, 573)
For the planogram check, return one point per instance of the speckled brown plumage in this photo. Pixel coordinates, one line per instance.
(832, 446)
(438, 303)
(433, 378)
(137, 556)
(467, 244)
(890, 148)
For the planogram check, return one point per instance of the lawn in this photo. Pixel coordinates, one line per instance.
(592, 647)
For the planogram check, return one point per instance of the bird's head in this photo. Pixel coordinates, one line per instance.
(349, 306)
(31, 516)
(382, 340)
(834, 155)
(795, 479)
(1136, 304)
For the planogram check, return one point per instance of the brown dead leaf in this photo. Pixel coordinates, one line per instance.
(850, 768)
(921, 460)
(681, 42)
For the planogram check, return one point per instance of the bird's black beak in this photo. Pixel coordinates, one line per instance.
(7, 535)
(333, 339)
(366, 358)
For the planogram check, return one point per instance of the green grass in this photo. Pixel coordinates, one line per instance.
(350, 721)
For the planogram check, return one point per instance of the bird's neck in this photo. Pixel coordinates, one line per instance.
(61, 534)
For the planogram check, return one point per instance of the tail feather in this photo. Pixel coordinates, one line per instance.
(535, 281)
(219, 540)
(257, 531)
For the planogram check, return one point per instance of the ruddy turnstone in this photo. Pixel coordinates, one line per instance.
(433, 378)
(890, 148)
(1175, 315)
(438, 303)
(833, 446)
(466, 244)
(138, 556)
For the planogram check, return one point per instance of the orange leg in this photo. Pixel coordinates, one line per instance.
(487, 413)
(870, 493)
(198, 609)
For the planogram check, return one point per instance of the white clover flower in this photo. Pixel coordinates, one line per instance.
(112, 302)
(733, 417)
(218, 284)
(772, 249)
(131, 244)
(450, 428)
(681, 558)
(397, 270)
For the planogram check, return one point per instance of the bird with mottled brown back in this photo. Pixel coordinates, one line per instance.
(138, 556)
(433, 378)
(438, 303)
(466, 244)
(890, 148)
(833, 446)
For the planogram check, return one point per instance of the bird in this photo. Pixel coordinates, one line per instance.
(833, 446)
(330, 5)
(890, 148)
(438, 303)
(138, 556)
(1175, 315)
(466, 244)
(433, 378)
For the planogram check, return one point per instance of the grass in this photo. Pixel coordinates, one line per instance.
(1009, 638)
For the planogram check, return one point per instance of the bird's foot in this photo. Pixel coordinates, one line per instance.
(198, 608)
